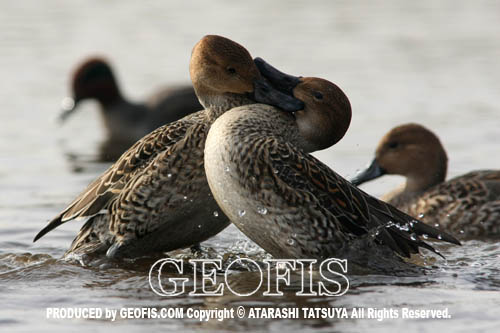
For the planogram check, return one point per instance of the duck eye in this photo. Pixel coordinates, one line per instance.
(231, 70)
(318, 95)
(393, 145)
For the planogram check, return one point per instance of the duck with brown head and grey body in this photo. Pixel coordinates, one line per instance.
(287, 201)
(156, 197)
(467, 205)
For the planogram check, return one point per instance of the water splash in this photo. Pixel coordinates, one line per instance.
(262, 210)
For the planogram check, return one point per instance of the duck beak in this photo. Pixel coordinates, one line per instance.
(68, 107)
(281, 81)
(373, 171)
(265, 93)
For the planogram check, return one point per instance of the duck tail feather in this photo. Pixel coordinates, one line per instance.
(54, 223)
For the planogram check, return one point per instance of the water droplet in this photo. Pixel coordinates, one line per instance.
(227, 169)
(281, 265)
(461, 231)
(67, 103)
(403, 227)
(241, 213)
(185, 198)
(413, 237)
(216, 213)
(425, 236)
(262, 210)
(421, 215)
(199, 226)
(276, 171)
(169, 175)
(436, 225)
(290, 241)
(440, 236)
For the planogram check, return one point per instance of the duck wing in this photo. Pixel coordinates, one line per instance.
(108, 186)
(304, 180)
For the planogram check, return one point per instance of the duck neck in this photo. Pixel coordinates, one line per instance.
(258, 121)
(107, 93)
(216, 105)
(428, 178)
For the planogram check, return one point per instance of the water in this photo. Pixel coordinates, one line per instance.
(431, 62)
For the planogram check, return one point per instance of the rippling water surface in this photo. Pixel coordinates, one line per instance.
(426, 61)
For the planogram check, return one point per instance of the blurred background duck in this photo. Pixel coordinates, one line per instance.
(467, 205)
(125, 121)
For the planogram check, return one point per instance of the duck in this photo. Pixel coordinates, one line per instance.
(125, 122)
(156, 198)
(467, 205)
(290, 203)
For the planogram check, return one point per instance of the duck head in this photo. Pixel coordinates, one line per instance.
(92, 79)
(224, 76)
(412, 151)
(326, 115)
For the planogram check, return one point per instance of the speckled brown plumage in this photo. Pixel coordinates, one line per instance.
(467, 205)
(139, 204)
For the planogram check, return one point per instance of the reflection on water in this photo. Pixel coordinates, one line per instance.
(126, 284)
(427, 61)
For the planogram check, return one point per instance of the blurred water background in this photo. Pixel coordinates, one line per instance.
(432, 62)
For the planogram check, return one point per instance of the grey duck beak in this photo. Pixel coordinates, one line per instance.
(281, 81)
(265, 93)
(373, 171)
